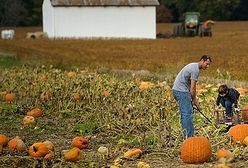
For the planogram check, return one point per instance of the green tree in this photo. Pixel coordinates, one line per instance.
(214, 9)
(241, 12)
(12, 12)
(217, 9)
(34, 16)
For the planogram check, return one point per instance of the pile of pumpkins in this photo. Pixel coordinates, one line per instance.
(44, 149)
(196, 150)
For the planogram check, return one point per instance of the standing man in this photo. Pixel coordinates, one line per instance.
(184, 91)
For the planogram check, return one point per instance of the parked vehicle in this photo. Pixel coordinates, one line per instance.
(190, 25)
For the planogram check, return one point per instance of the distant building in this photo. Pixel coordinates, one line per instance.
(100, 18)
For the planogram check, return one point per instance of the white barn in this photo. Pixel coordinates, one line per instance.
(100, 18)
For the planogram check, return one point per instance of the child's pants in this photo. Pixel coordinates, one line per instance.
(225, 102)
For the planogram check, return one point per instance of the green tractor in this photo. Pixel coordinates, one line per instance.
(190, 25)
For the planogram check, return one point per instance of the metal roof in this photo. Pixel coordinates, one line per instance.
(104, 2)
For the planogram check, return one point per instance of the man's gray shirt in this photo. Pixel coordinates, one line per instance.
(183, 80)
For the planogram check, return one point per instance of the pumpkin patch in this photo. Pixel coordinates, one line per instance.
(106, 120)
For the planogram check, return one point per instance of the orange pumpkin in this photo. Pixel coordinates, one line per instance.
(16, 144)
(10, 97)
(201, 88)
(238, 132)
(71, 74)
(145, 85)
(35, 112)
(49, 145)
(245, 141)
(38, 150)
(72, 155)
(76, 96)
(105, 93)
(242, 91)
(21, 147)
(135, 152)
(223, 153)
(49, 156)
(3, 142)
(80, 142)
(196, 150)
(245, 113)
(12, 144)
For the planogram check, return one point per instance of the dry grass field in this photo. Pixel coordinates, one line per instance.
(228, 47)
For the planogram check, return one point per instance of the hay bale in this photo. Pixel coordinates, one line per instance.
(35, 35)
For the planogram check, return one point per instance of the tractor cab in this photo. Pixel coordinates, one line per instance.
(191, 23)
(189, 26)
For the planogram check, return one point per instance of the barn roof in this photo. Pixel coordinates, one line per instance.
(104, 2)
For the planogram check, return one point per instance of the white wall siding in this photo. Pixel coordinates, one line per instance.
(118, 22)
(48, 18)
(99, 21)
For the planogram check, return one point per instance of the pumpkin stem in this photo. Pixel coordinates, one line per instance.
(35, 149)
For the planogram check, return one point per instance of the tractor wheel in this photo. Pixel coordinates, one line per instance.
(200, 31)
(177, 31)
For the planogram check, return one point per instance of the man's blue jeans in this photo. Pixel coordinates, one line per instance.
(185, 107)
(225, 102)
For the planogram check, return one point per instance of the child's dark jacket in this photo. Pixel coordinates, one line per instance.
(232, 95)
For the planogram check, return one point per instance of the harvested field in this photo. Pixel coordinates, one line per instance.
(228, 47)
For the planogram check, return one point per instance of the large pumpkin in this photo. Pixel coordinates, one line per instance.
(80, 142)
(196, 150)
(245, 113)
(38, 150)
(238, 132)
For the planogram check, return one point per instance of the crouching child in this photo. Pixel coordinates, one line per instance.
(228, 97)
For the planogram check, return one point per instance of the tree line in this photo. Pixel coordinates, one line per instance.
(29, 12)
(221, 10)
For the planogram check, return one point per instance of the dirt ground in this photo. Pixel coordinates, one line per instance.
(94, 160)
